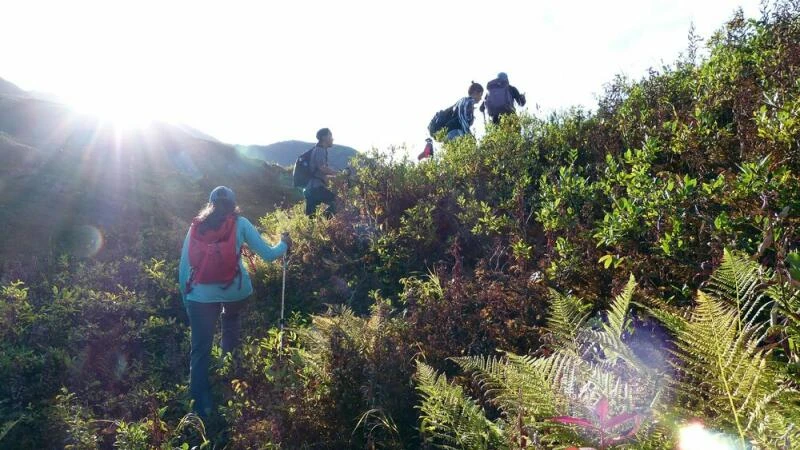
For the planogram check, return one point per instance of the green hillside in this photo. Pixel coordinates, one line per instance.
(285, 153)
(627, 277)
(63, 171)
(6, 87)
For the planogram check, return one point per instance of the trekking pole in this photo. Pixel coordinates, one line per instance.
(282, 322)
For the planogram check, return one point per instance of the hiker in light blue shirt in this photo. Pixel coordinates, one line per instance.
(208, 254)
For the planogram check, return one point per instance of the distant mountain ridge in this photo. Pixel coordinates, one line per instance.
(7, 87)
(61, 170)
(285, 153)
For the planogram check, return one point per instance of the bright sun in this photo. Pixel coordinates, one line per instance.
(126, 114)
(124, 110)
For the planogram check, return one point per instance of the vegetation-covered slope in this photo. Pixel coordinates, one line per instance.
(636, 267)
(63, 172)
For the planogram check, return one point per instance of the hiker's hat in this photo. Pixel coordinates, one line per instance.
(221, 193)
(503, 76)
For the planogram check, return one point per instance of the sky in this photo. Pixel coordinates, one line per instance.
(375, 72)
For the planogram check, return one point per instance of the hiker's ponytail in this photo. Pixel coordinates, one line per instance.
(213, 214)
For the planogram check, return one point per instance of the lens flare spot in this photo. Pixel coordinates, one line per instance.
(694, 436)
(84, 241)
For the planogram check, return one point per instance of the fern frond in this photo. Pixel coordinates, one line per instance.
(738, 280)
(672, 317)
(488, 371)
(564, 371)
(518, 388)
(786, 296)
(613, 350)
(617, 315)
(723, 365)
(450, 419)
(567, 315)
(788, 436)
(7, 426)
(609, 341)
(338, 327)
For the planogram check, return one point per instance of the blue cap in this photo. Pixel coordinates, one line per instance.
(221, 192)
(502, 76)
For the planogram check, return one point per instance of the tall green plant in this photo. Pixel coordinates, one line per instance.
(587, 364)
(727, 370)
(450, 419)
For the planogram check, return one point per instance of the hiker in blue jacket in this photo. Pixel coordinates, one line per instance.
(214, 283)
(465, 108)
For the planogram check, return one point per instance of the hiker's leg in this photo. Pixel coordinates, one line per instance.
(496, 119)
(454, 134)
(311, 202)
(316, 196)
(231, 324)
(329, 198)
(203, 321)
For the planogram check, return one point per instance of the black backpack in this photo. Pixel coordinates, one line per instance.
(499, 99)
(302, 174)
(441, 119)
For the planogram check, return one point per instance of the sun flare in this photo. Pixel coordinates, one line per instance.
(122, 111)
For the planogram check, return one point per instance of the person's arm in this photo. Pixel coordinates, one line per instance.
(516, 96)
(184, 269)
(469, 113)
(253, 240)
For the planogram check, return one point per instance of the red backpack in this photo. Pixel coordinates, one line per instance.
(213, 256)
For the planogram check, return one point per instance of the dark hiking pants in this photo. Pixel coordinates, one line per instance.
(317, 195)
(203, 321)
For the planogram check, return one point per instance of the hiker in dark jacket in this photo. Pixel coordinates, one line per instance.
(500, 98)
(316, 191)
(464, 108)
(214, 283)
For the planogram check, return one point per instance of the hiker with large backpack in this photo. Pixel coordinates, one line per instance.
(311, 171)
(457, 119)
(500, 98)
(214, 284)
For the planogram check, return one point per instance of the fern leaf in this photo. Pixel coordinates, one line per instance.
(617, 316)
(563, 371)
(672, 317)
(723, 365)
(567, 315)
(737, 280)
(450, 419)
(516, 386)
